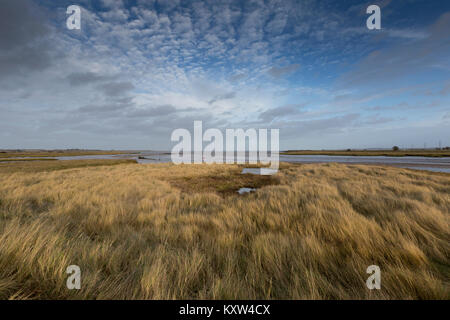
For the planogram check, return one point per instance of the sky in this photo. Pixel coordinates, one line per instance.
(138, 70)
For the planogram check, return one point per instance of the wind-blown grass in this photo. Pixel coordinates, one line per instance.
(137, 233)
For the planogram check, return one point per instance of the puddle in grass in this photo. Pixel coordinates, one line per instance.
(246, 190)
(259, 171)
(255, 171)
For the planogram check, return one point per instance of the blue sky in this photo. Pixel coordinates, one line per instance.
(137, 70)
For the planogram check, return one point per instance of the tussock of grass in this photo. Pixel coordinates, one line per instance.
(136, 235)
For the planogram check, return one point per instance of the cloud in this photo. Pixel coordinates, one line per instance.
(112, 4)
(24, 39)
(152, 112)
(238, 77)
(399, 61)
(325, 126)
(86, 78)
(377, 120)
(116, 88)
(100, 109)
(226, 96)
(144, 68)
(445, 90)
(403, 106)
(407, 34)
(281, 112)
(20, 24)
(278, 72)
(109, 108)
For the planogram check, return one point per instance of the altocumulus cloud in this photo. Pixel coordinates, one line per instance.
(135, 72)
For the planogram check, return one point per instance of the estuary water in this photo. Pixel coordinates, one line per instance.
(417, 163)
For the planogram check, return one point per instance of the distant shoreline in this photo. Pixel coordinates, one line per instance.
(373, 153)
(20, 153)
(57, 153)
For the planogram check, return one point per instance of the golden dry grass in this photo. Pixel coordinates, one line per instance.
(30, 159)
(137, 233)
(57, 153)
(31, 165)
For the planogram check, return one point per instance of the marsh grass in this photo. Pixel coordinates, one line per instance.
(30, 159)
(137, 234)
(225, 183)
(41, 165)
(57, 153)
